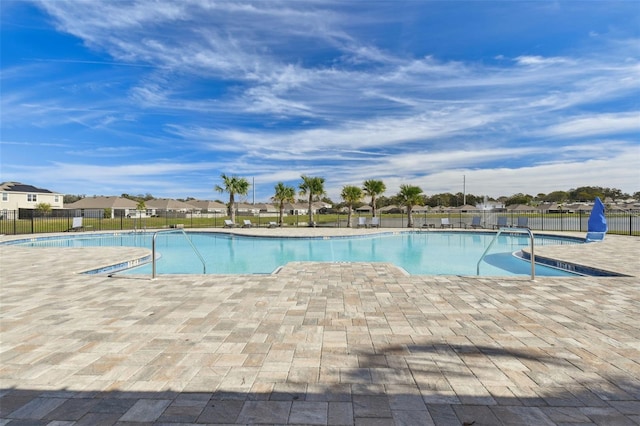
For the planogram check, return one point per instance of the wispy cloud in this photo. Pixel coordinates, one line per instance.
(597, 124)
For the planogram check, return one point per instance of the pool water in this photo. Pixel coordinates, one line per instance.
(419, 253)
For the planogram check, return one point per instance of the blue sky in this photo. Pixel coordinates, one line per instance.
(103, 98)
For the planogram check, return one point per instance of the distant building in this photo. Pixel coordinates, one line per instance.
(96, 205)
(157, 205)
(16, 195)
(207, 206)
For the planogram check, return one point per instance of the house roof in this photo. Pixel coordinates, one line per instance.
(267, 207)
(247, 206)
(167, 204)
(101, 202)
(207, 205)
(21, 187)
(521, 207)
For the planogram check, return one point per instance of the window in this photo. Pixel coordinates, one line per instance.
(5, 196)
(56, 198)
(32, 197)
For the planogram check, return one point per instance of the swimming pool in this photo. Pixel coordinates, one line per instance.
(418, 253)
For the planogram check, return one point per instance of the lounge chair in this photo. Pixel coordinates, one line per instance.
(502, 222)
(247, 224)
(273, 225)
(523, 222)
(475, 222)
(375, 222)
(444, 223)
(362, 222)
(228, 223)
(76, 224)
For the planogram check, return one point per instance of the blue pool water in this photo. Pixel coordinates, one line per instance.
(419, 253)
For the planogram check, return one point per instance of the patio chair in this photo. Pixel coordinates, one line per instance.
(273, 224)
(247, 223)
(475, 222)
(375, 222)
(444, 223)
(362, 222)
(228, 223)
(523, 222)
(502, 222)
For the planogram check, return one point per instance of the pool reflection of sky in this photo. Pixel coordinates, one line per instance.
(419, 253)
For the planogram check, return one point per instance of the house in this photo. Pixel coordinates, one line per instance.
(296, 208)
(521, 208)
(16, 195)
(246, 208)
(390, 209)
(206, 206)
(267, 208)
(466, 208)
(418, 209)
(156, 205)
(96, 205)
(555, 208)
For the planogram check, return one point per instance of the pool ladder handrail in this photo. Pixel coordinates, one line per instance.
(516, 230)
(153, 250)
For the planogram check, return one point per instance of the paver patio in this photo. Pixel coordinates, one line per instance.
(318, 343)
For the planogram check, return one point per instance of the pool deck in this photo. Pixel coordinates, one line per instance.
(318, 343)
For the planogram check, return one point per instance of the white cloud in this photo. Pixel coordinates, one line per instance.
(596, 124)
(540, 61)
(278, 89)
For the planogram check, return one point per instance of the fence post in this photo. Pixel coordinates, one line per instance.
(580, 219)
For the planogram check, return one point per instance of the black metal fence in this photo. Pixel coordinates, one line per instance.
(27, 221)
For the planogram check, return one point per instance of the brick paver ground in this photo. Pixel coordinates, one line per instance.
(317, 343)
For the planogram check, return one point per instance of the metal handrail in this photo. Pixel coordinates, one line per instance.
(520, 230)
(153, 251)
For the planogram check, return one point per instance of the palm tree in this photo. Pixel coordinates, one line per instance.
(351, 195)
(141, 206)
(233, 185)
(410, 196)
(43, 208)
(373, 188)
(284, 194)
(313, 187)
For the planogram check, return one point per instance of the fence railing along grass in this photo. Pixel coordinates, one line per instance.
(31, 222)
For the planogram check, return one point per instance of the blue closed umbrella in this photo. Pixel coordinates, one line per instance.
(597, 225)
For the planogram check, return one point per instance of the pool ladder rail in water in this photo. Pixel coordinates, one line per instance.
(153, 250)
(512, 230)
